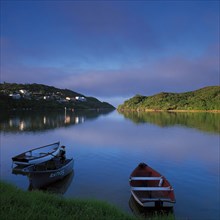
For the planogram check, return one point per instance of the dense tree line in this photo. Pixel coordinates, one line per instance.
(207, 98)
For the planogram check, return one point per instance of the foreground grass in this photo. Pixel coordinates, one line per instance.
(18, 204)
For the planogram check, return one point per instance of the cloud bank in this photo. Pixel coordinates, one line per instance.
(111, 49)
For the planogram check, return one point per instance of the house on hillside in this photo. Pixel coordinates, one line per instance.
(80, 98)
(25, 94)
(22, 91)
(15, 96)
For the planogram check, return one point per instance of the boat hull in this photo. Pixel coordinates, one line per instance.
(42, 177)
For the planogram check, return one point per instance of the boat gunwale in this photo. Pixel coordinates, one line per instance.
(25, 170)
(16, 158)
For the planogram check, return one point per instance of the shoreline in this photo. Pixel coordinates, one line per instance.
(43, 205)
(161, 110)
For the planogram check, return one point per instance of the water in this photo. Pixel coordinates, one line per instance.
(106, 147)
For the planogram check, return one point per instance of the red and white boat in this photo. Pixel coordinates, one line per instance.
(149, 188)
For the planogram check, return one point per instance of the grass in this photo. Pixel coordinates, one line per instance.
(18, 204)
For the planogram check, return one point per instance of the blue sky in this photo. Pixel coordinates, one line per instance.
(112, 50)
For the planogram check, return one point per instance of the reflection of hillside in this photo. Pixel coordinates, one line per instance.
(208, 122)
(39, 121)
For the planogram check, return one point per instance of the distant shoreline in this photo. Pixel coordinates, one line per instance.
(161, 110)
(202, 100)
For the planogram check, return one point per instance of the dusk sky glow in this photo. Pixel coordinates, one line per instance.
(111, 50)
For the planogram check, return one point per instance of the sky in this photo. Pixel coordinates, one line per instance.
(111, 50)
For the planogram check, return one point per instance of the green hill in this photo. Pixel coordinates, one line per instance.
(39, 97)
(205, 99)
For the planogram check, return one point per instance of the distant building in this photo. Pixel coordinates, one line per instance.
(46, 97)
(25, 94)
(22, 91)
(15, 96)
(80, 98)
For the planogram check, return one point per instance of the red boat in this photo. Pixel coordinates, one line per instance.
(149, 188)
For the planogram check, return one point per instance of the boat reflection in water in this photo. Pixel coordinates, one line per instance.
(58, 187)
(149, 212)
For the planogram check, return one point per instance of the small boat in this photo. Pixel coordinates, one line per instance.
(43, 174)
(37, 155)
(149, 188)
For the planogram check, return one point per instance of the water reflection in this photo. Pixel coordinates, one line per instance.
(208, 122)
(27, 121)
(58, 187)
(107, 149)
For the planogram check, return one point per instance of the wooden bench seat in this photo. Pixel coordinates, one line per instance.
(151, 188)
(145, 178)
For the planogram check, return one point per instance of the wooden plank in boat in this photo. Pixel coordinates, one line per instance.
(145, 178)
(155, 199)
(151, 188)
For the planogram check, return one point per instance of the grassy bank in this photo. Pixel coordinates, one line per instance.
(18, 204)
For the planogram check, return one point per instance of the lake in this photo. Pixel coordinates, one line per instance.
(107, 146)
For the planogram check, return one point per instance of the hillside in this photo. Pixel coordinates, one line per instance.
(39, 97)
(205, 99)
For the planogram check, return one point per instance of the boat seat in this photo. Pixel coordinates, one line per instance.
(137, 178)
(155, 199)
(151, 188)
(145, 178)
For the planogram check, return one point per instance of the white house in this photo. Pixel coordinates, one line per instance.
(80, 98)
(15, 96)
(22, 91)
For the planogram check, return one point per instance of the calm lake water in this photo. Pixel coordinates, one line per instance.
(106, 147)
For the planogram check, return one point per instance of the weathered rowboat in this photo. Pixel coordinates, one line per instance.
(150, 188)
(48, 172)
(37, 155)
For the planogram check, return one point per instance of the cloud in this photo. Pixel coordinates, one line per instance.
(111, 48)
(174, 73)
